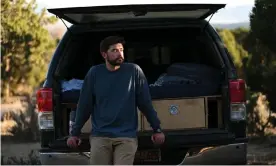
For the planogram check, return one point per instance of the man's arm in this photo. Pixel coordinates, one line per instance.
(85, 103)
(144, 102)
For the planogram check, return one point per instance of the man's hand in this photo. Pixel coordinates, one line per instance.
(73, 142)
(158, 138)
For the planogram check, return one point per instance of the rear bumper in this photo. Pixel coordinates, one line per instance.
(58, 158)
(223, 155)
(191, 139)
(226, 149)
(232, 154)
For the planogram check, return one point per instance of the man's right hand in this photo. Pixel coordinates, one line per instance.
(73, 142)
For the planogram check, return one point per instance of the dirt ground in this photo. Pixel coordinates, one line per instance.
(18, 149)
(261, 154)
(257, 153)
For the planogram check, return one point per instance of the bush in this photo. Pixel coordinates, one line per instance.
(32, 159)
(20, 124)
(259, 115)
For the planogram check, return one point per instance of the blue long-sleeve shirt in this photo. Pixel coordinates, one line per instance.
(111, 99)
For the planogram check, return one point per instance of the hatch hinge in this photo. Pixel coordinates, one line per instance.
(65, 24)
(207, 22)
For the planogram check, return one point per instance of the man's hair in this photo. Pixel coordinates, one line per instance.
(110, 40)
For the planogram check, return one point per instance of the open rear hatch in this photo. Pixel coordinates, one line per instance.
(96, 14)
(101, 14)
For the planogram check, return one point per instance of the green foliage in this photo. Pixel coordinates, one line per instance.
(263, 23)
(254, 61)
(26, 46)
(262, 37)
(235, 48)
(241, 36)
(257, 67)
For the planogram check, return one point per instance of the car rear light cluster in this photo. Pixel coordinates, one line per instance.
(45, 108)
(237, 99)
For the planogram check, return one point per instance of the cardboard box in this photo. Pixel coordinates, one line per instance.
(180, 113)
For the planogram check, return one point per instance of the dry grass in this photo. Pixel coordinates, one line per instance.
(261, 120)
(19, 120)
(6, 127)
(30, 159)
(19, 124)
(261, 152)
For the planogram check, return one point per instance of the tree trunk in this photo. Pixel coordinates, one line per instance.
(6, 82)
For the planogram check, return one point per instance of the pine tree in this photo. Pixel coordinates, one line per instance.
(26, 46)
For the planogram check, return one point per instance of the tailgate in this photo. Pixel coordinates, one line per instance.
(177, 144)
(174, 139)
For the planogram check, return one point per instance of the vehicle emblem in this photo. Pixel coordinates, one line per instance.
(173, 109)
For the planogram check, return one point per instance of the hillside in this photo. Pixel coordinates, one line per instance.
(57, 30)
(232, 25)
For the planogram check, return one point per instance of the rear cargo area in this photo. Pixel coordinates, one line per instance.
(187, 113)
(175, 114)
(183, 71)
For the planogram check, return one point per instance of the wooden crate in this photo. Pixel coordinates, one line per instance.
(182, 113)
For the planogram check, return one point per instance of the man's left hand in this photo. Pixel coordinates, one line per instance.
(158, 138)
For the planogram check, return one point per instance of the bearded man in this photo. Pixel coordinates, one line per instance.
(110, 94)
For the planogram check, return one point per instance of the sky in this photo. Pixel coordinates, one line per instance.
(234, 12)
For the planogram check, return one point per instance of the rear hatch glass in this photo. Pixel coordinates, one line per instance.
(84, 15)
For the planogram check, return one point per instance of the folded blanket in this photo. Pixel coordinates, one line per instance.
(71, 85)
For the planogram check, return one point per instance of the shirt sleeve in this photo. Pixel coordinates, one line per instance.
(144, 102)
(85, 104)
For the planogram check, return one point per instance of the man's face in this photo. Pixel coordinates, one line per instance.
(115, 54)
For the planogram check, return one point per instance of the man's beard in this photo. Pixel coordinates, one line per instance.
(115, 62)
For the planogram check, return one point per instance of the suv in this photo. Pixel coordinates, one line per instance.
(203, 116)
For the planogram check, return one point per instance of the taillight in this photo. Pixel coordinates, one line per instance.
(45, 108)
(237, 91)
(237, 99)
(44, 100)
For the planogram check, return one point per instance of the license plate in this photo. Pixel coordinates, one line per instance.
(153, 155)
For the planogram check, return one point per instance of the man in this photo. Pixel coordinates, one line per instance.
(111, 93)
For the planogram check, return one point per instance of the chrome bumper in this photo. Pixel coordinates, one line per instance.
(54, 158)
(223, 155)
